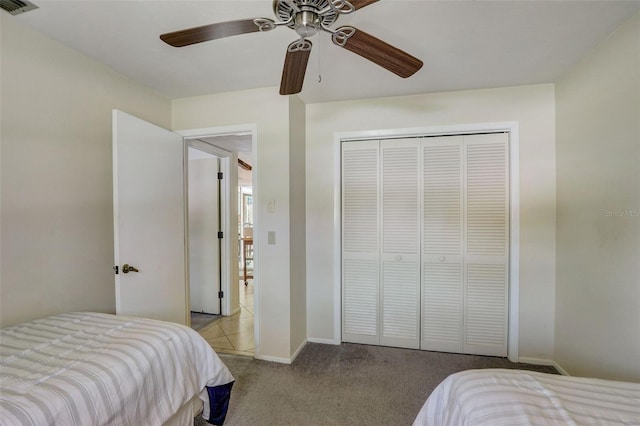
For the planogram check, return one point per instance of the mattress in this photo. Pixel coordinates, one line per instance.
(514, 397)
(87, 368)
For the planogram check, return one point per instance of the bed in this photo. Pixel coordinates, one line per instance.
(87, 368)
(515, 397)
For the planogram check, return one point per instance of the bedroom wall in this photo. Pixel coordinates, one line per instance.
(531, 106)
(270, 113)
(598, 220)
(297, 212)
(56, 181)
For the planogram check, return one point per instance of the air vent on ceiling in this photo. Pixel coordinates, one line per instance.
(16, 7)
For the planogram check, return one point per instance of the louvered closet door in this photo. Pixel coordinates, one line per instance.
(442, 260)
(486, 247)
(400, 273)
(360, 242)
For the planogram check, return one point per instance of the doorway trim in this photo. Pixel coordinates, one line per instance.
(510, 127)
(229, 252)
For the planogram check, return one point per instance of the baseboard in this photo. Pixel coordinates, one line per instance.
(535, 361)
(295, 354)
(543, 361)
(273, 359)
(560, 369)
(324, 341)
(280, 359)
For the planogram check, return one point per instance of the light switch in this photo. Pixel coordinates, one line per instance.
(271, 206)
(271, 237)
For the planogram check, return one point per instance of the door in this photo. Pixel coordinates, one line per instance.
(204, 224)
(381, 243)
(360, 242)
(466, 244)
(426, 243)
(400, 238)
(442, 245)
(149, 220)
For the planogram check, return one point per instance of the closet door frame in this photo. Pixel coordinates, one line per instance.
(510, 127)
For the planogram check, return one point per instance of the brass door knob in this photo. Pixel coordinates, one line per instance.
(126, 268)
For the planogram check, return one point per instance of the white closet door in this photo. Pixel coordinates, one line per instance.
(400, 275)
(442, 260)
(360, 242)
(486, 248)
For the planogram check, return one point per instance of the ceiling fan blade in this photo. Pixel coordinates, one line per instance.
(295, 66)
(359, 4)
(215, 31)
(377, 51)
(349, 6)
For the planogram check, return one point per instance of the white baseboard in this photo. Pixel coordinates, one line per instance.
(543, 361)
(273, 359)
(295, 354)
(323, 341)
(280, 359)
(560, 369)
(535, 361)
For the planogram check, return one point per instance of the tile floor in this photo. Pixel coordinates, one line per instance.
(234, 334)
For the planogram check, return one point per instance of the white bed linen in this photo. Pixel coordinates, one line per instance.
(515, 397)
(99, 369)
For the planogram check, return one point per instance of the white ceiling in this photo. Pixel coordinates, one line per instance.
(464, 44)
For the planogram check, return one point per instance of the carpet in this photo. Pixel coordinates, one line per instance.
(347, 384)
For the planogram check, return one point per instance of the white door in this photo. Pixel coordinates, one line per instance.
(149, 220)
(425, 243)
(360, 242)
(400, 254)
(486, 244)
(204, 224)
(443, 242)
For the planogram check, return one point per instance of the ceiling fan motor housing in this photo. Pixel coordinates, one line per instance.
(306, 16)
(307, 23)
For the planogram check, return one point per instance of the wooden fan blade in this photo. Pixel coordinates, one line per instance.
(295, 66)
(377, 51)
(209, 32)
(359, 4)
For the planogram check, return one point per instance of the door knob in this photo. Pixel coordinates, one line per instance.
(126, 268)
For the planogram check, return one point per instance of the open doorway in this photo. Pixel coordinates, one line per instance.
(232, 331)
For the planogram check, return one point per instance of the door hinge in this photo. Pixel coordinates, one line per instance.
(115, 269)
(220, 234)
(220, 175)
(220, 294)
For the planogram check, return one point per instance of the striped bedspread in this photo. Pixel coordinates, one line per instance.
(515, 397)
(99, 369)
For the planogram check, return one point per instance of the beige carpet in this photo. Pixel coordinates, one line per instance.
(344, 385)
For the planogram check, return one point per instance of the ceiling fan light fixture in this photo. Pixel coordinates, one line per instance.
(307, 23)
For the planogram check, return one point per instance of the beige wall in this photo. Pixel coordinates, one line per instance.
(269, 112)
(297, 212)
(598, 222)
(57, 214)
(531, 106)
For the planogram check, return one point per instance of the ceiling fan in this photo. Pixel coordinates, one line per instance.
(306, 17)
